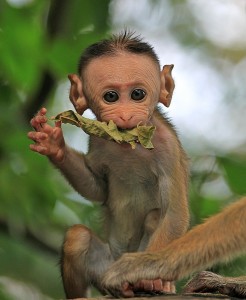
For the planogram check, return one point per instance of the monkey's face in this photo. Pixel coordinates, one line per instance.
(124, 88)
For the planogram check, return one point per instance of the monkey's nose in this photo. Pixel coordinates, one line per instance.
(126, 118)
(125, 122)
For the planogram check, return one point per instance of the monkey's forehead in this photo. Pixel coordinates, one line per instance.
(127, 62)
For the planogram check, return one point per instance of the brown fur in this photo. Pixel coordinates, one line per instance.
(220, 238)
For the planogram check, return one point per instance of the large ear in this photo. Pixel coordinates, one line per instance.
(76, 94)
(167, 85)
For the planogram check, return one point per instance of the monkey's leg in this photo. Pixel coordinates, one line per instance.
(150, 224)
(208, 282)
(84, 259)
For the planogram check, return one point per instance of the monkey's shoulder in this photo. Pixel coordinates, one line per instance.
(165, 130)
(166, 137)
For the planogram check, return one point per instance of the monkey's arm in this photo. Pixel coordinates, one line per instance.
(49, 141)
(75, 168)
(220, 237)
(173, 187)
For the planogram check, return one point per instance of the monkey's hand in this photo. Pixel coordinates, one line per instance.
(48, 140)
(125, 276)
(208, 282)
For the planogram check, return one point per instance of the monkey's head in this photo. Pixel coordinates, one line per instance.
(120, 79)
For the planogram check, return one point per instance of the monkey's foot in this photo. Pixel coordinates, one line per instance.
(208, 282)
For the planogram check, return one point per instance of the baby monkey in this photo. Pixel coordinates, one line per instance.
(143, 192)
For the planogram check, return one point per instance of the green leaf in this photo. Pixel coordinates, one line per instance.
(235, 173)
(141, 134)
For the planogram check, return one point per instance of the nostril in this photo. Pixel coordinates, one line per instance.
(126, 118)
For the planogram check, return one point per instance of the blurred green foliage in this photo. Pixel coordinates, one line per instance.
(40, 43)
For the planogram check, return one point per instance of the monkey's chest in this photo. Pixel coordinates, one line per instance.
(135, 175)
(131, 166)
(134, 191)
(132, 175)
(134, 185)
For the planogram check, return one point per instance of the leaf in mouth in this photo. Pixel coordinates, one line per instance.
(141, 134)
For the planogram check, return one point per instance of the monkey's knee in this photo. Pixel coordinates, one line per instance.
(84, 259)
(73, 261)
(152, 221)
(77, 241)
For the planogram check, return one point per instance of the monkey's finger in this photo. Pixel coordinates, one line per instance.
(37, 136)
(173, 288)
(144, 285)
(38, 148)
(38, 121)
(42, 111)
(139, 286)
(166, 286)
(158, 285)
(58, 124)
(39, 118)
(125, 291)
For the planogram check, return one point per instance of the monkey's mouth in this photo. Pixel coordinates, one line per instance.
(124, 129)
(129, 128)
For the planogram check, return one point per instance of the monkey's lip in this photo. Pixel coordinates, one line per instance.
(130, 127)
(121, 129)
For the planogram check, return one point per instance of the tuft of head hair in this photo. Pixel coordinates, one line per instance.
(126, 41)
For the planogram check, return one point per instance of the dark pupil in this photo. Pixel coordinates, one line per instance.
(111, 96)
(138, 94)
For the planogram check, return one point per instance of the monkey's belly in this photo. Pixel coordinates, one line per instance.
(124, 244)
(132, 230)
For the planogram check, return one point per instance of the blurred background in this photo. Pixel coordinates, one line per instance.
(40, 42)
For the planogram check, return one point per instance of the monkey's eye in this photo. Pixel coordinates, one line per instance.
(111, 96)
(138, 94)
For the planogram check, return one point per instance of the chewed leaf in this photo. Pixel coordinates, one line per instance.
(109, 131)
(145, 136)
(68, 117)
